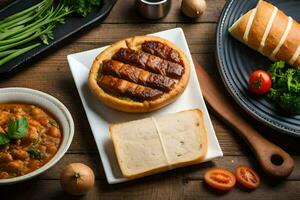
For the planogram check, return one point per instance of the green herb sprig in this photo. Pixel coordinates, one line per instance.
(17, 129)
(36, 154)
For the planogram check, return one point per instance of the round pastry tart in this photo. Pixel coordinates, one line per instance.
(139, 74)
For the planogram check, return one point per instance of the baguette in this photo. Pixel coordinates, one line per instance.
(152, 145)
(269, 31)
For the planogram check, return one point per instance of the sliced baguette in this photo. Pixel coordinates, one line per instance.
(271, 32)
(148, 146)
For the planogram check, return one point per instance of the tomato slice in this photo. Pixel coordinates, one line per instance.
(220, 179)
(247, 177)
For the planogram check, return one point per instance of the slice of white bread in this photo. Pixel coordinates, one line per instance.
(147, 146)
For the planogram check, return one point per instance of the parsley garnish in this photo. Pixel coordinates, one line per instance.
(53, 123)
(36, 154)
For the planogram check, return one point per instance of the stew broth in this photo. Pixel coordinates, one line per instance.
(36, 148)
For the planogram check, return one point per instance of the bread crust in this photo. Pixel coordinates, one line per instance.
(128, 105)
(277, 31)
(261, 19)
(291, 44)
(199, 159)
(278, 28)
(239, 27)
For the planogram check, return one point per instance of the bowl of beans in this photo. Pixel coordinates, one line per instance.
(36, 130)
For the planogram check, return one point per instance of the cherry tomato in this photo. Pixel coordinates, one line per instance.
(220, 179)
(260, 82)
(247, 177)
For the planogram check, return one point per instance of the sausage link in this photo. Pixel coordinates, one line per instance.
(150, 62)
(136, 75)
(161, 50)
(125, 88)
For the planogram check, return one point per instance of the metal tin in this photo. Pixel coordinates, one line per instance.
(153, 9)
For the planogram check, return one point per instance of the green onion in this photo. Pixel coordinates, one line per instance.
(18, 53)
(19, 31)
(8, 52)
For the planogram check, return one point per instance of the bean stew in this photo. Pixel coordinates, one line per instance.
(29, 138)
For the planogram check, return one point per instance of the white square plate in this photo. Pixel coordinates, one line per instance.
(100, 116)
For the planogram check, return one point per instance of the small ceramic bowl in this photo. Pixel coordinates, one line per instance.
(50, 104)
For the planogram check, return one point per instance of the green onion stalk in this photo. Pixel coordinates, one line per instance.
(17, 32)
(32, 27)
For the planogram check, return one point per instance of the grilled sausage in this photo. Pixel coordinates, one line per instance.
(137, 75)
(161, 50)
(120, 87)
(150, 62)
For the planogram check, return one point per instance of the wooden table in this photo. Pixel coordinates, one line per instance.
(51, 74)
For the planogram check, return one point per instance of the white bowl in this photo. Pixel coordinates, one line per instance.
(54, 106)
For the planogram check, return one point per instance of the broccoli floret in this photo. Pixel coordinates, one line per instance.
(276, 70)
(274, 94)
(294, 80)
(290, 103)
(285, 91)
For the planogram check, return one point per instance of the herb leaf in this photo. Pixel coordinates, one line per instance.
(53, 123)
(35, 153)
(18, 128)
(3, 139)
(82, 7)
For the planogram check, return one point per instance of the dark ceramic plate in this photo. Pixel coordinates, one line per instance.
(236, 62)
(72, 25)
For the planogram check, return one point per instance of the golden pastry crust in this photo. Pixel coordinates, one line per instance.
(239, 27)
(291, 43)
(261, 19)
(277, 30)
(128, 105)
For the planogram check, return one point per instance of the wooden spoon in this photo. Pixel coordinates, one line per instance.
(274, 160)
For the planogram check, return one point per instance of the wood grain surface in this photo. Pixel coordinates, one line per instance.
(51, 74)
